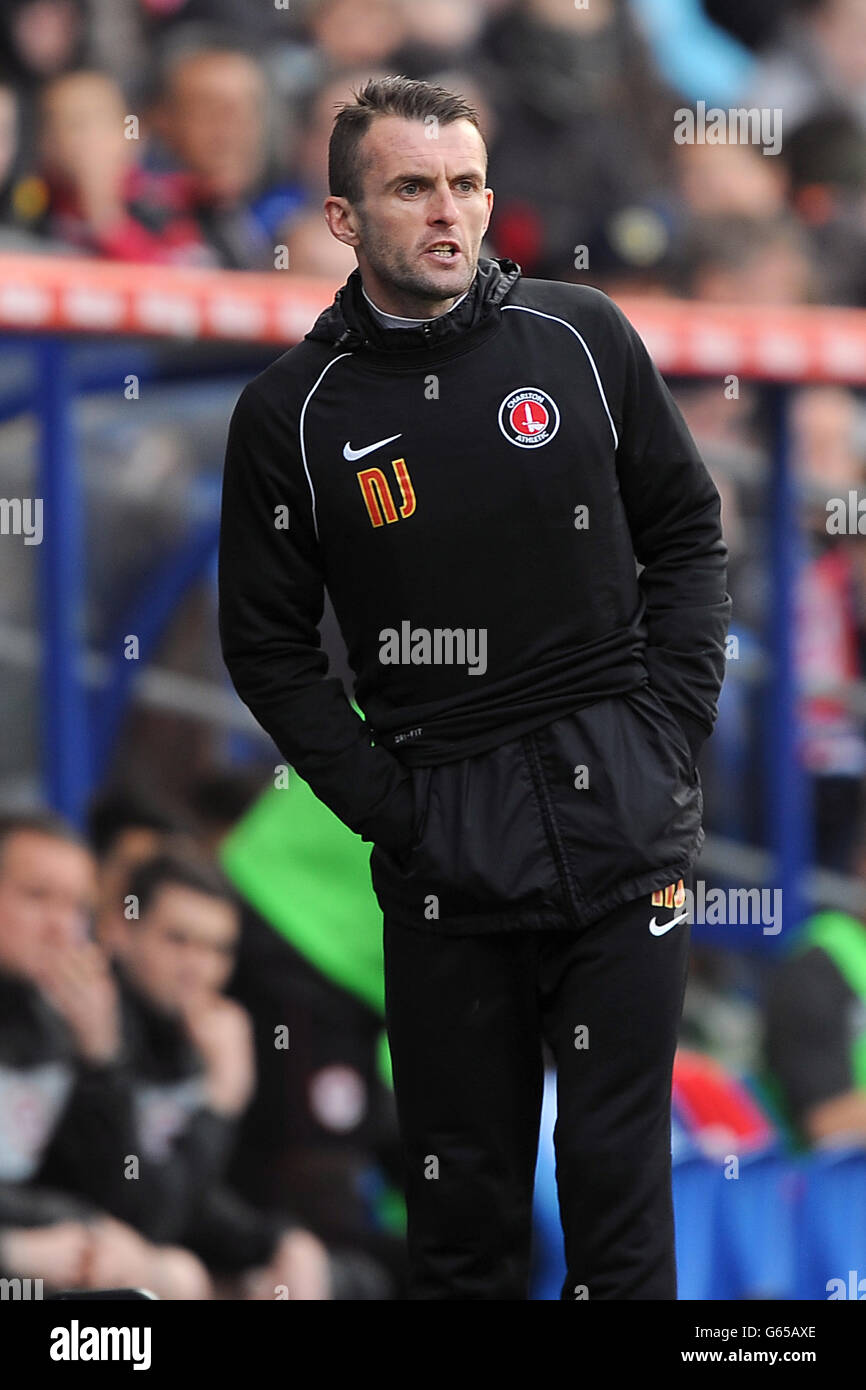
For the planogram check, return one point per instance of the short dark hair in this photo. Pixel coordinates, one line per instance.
(408, 97)
(172, 867)
(220, 796)
(39, 822)
(123, 808)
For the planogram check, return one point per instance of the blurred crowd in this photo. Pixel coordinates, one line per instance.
(195, 132)
(162, 1125)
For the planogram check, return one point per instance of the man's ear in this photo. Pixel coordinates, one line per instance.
(341, 221)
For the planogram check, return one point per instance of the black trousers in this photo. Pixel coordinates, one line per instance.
(466, 1016)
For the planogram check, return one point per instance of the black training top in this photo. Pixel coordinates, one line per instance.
(474, 494)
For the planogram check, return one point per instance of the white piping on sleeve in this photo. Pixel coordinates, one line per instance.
(311, 393)
(526, 310)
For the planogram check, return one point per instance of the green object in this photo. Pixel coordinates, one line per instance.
(391, 1210)
(383, 1060)
(308, 875)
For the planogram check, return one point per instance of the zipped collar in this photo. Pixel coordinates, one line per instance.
(349, 325)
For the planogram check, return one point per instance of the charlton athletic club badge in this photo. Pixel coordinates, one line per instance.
(528, 417)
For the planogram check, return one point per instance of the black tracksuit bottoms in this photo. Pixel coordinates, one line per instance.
(466, 1015)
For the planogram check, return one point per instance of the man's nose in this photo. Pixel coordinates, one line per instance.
(443, 208)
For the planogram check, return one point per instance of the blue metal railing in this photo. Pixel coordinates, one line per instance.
(79, 731)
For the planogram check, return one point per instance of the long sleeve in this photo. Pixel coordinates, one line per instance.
(97, 1135)
(673, 510)
(271, 599)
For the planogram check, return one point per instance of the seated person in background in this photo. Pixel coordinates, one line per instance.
(98, 198)
(211, 117)
(815, 1027)
(154, 1143)
(57, 1015)
(125, 826)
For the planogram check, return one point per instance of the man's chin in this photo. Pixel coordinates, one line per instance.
(448, 283)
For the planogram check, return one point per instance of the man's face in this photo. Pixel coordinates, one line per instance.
(182, 948)
(422, 185)
(214, 121)
(47, 892)
(82, 124)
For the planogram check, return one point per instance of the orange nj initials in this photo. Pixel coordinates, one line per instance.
(672, 896)
(377, 493)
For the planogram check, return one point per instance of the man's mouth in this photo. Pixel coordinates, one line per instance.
(443, 251)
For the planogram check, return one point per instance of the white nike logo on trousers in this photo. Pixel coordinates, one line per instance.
(352, 454)
(666, 926)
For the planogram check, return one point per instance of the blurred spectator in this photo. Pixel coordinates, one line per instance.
(184, 1074)
(40, 39)
(584, 129)
(57, 1022)
(211, 116)
(748, 260)
(437, 33)
(730, 181)
(347, 34)
(258, 23)
(126, 826)
(99, 198)
(826, 157)
(829, 459)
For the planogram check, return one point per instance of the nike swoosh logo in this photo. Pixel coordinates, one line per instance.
(352, 454)
(666, 926)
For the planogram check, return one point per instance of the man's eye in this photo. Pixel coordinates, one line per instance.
(409, 186)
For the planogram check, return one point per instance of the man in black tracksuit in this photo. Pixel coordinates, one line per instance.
(471, 462)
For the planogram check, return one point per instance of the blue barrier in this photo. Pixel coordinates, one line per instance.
(78, 732)
(785, 1227)
(66, 769)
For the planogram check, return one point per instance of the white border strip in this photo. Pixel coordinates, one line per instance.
(311, 393)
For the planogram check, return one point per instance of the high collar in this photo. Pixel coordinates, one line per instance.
(351, 327)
